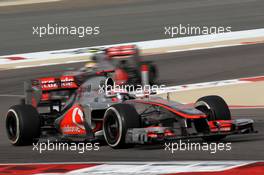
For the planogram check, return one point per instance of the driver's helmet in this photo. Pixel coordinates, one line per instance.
(122, 96)
(89, 66)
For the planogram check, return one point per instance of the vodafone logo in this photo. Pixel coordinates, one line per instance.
(77, 117)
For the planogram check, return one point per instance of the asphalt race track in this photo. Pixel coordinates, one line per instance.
(175, 68)
(126, 21)
(120, 20)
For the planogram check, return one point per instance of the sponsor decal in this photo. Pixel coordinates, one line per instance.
(68, 128)
(77, 117)
(68, 82)
(48, 83)
(72, 123)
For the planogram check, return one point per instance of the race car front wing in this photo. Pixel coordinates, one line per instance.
(165, 134)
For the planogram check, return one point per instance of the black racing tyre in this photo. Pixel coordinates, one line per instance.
(22, 124)
(216, 109)
(214, 106)
(117, 120)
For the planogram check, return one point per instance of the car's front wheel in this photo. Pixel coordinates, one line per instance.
(215, 108)
(117, 120)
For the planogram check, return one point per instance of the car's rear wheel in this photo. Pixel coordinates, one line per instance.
(215, 108)
(22, 124)
(117, 120)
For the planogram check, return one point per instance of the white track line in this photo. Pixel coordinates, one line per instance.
(167, 45)
(187, 87)
(161, 168)
(23, 2)
(202, 48)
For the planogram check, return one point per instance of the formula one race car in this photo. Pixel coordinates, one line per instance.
(130, 68)
(90, 111)
(124, 62)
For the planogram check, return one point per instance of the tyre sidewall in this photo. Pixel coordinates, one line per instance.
(127, 118)
(121, 128)
(28, 124)
(217, 106)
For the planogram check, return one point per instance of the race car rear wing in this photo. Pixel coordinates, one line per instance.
(52, 83)
(119, 52)
(49, 89)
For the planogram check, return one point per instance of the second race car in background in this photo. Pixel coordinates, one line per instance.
(123, 63)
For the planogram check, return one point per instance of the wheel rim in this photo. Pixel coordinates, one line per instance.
(11, 126)
(206, 110)
(112, 128)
